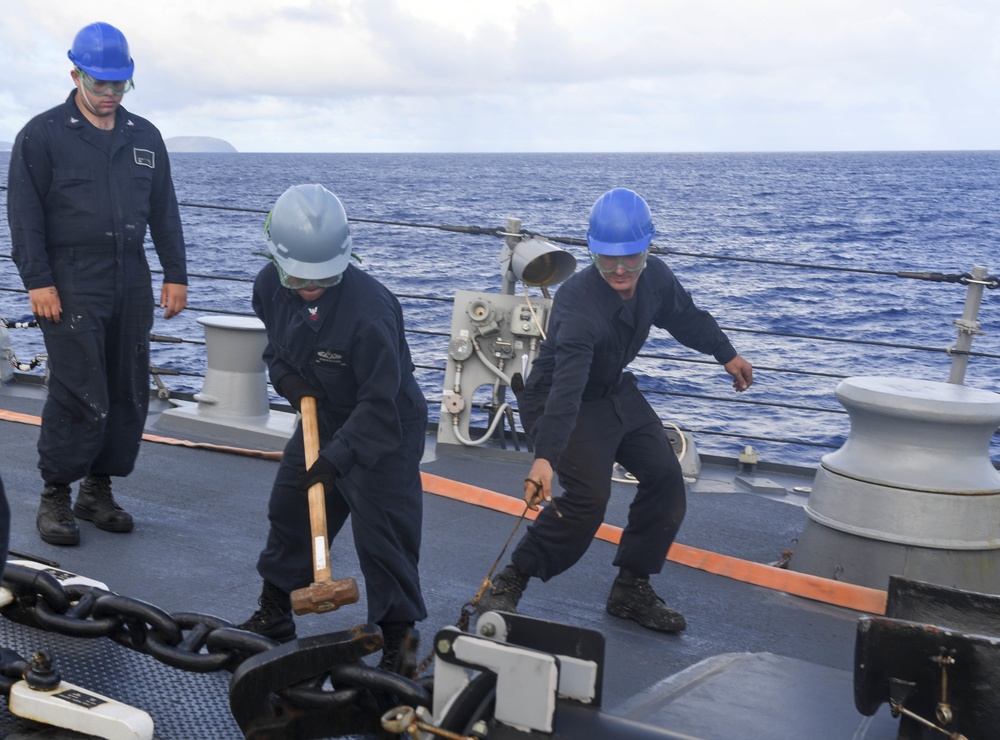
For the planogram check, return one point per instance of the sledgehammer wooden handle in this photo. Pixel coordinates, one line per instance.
(324, 594)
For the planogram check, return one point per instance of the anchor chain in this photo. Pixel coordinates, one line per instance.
(192, 642)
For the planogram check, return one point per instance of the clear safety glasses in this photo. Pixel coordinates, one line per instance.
(104, 87)
(628, 262)
(294, 283)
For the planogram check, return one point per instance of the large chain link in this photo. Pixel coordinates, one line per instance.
(185, 640)
(188, 641)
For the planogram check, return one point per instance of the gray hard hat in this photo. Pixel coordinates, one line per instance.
(308, 234)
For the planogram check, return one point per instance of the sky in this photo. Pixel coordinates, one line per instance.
(534, 75)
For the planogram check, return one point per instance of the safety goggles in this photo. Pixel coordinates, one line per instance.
(294, 283)
(628, 262)
(102, 88)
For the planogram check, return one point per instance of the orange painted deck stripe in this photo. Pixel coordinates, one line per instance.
(14, 416)
(848, 595)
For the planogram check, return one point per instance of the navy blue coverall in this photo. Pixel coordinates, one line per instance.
(350, 344)
(4, 528)
(584, 413)
(79, 203)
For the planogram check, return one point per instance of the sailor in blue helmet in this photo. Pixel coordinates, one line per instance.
(87, 179)
(584, 413)
(335, 333)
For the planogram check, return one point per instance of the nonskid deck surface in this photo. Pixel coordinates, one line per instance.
(201, 519)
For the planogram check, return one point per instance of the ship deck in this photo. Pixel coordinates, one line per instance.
(753, 662)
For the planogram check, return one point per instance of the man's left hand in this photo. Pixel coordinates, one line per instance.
(174, 298)
(321, 471)
(742, 373)
(538, 484)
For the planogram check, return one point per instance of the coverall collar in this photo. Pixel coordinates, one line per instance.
(121, 134)
(316, 313)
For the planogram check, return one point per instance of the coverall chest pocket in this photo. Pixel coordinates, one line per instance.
(142, 190)
(73, 191)
(336, 376)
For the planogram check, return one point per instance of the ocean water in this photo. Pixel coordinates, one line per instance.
(856, 212)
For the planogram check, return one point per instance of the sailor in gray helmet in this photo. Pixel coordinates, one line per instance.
(584, 413)
(336, 334)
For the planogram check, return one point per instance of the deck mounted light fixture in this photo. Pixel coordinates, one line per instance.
(534, 262)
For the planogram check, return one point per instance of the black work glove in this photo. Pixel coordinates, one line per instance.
(322, 471)
(294, 387)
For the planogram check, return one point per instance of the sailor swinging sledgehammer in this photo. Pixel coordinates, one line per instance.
(336, 336)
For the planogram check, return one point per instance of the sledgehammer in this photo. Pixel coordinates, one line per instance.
(324, 594)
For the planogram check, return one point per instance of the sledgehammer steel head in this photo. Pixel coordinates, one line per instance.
(325, 597)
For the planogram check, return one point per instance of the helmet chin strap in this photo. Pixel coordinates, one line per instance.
(86, 101)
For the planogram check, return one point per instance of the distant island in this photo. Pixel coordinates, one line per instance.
(200, 144)
(5, 146)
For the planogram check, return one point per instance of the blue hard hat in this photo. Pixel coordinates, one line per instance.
(620, 224)
(101, 51)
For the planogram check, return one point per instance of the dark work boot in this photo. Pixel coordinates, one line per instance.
(399, 648)
(94, 503)
(55, 522)
(632, 597)
(274, 618)
(505, 591)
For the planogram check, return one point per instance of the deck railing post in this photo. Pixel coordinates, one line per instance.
(509, 282)
(968, 326)
(6, 353)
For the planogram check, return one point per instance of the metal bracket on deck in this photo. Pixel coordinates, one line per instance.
(260, 710)
(44, 697)
(935, 657)
(519, 677)
(317, 687)
(535, 661)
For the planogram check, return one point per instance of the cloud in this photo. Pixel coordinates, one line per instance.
(536, 75)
